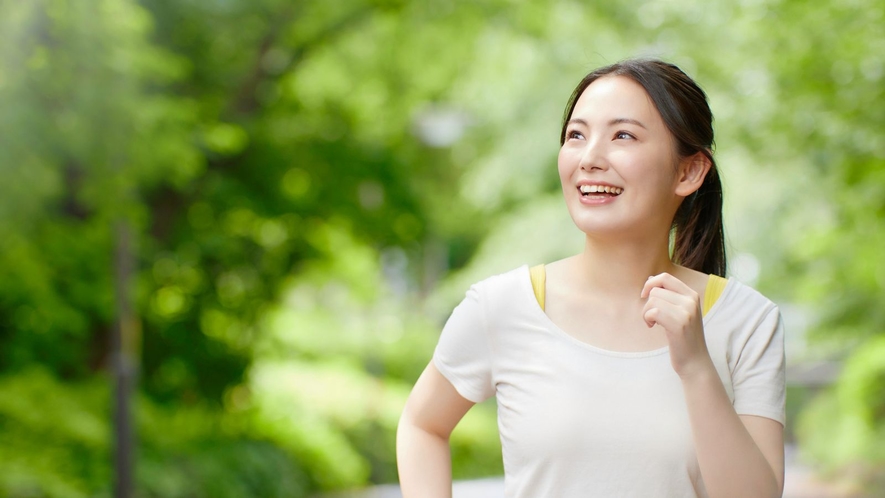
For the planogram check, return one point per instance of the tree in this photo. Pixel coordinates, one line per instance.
(311, 186)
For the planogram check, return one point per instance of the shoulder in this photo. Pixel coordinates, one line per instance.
(744, 315)
(504, 292)
(509, 281)
(738, 296)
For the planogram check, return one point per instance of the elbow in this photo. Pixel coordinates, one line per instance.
(408, 429)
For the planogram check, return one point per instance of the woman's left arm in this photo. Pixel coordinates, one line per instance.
(739, 455)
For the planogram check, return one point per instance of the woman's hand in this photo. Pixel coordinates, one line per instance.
(676, 307)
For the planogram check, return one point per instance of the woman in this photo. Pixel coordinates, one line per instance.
(624, 370)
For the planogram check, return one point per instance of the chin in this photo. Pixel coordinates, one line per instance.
(598, 227)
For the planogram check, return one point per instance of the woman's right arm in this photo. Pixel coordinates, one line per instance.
(423, 458)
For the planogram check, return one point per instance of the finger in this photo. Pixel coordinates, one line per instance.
(667, 315)
(671, 297)
(675, 320)
(650, 316)
(671, 318)
(666, 281)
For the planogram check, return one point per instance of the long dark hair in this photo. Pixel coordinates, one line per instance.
(699, 238)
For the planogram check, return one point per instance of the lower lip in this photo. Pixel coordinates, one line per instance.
(596, 200)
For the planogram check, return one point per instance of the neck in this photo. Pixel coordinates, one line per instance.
(622, 267)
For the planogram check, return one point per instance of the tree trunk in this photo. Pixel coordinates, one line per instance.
(124, 361)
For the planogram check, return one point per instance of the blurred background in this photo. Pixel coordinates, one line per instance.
(230, 230)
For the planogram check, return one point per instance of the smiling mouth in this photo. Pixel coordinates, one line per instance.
(599, 189)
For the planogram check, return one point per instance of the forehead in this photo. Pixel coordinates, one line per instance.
(617, 97)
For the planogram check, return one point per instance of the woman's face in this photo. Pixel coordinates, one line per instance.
(618, 165)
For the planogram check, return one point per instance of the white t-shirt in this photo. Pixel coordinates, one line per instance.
(579, 421)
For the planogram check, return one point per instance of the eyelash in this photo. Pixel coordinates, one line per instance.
(575, 134)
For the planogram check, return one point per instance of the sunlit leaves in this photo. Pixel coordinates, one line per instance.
(295, 168)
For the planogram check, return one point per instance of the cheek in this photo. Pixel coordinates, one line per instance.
(564, 164)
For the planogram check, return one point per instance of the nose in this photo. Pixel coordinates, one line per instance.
(593, 156)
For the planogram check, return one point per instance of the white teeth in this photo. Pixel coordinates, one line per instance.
(590, 189)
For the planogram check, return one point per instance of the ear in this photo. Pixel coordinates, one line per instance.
(692, 171)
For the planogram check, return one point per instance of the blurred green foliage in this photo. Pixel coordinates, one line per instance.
(315, 184)
(843, 427)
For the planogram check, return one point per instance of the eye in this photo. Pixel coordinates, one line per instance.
(574, 134)
(623, 135)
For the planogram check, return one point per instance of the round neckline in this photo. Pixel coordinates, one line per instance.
(553, 327)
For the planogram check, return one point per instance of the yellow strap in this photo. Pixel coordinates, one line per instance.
(539, 282)
(715, 286)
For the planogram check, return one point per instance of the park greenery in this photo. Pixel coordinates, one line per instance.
(306, 189)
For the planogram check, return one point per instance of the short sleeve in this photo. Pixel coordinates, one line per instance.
(759, 377)
(462, 354)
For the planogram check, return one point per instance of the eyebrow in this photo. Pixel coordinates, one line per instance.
(610, 123)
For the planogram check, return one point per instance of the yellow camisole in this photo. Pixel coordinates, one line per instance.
(715, 286)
